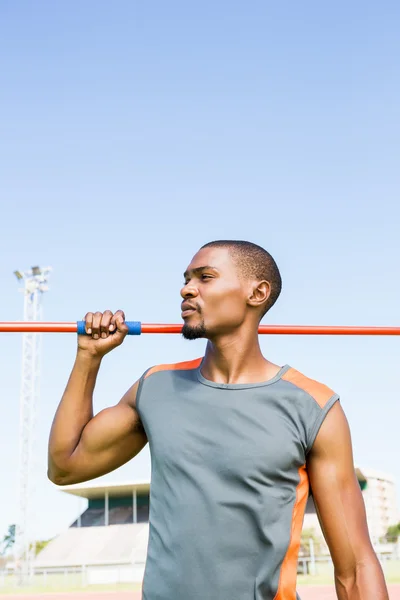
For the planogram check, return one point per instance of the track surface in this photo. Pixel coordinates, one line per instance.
(317, 592)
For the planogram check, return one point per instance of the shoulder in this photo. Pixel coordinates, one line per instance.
(318, 391)
(156, 378)
(181, 366)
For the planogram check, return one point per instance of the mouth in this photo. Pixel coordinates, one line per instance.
(188, 312)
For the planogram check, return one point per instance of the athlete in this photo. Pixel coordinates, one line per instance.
(237, 444)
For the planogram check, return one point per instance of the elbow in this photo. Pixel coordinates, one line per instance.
(57, 478)
(56, 474)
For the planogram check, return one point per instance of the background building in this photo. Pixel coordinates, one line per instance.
(379, 493)
(109, 539)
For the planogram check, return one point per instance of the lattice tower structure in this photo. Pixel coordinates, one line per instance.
(34, 285)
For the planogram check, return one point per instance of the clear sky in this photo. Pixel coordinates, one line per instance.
(134, 132)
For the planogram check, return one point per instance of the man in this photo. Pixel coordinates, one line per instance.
(236, 442)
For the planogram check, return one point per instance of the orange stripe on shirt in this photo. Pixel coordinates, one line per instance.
(320, 392)
(288, 575)
(183, 366)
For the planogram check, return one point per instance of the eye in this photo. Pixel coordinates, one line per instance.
(206, 277)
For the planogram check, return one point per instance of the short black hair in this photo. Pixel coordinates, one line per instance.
(253, 262)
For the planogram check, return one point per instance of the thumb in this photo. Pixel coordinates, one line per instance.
(122, 327)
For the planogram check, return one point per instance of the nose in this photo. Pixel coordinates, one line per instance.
(189, 291)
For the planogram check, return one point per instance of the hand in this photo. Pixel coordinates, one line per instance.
(105, 331)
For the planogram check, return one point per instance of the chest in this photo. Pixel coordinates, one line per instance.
(237, 434)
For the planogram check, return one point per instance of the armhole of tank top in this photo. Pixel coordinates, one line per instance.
(319, 420)
(139, 391)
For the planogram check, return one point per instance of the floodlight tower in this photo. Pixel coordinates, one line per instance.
(35, 284)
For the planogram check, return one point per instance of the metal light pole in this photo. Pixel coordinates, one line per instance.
(35, 284)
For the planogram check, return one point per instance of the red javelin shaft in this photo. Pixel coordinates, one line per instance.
(291, 330)
(71, 327)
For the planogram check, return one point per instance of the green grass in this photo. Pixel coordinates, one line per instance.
(72, 583)
(391, 568)
(57, 583)
(315, 579)
(37, 589)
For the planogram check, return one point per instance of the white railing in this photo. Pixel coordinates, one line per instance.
(60, 578)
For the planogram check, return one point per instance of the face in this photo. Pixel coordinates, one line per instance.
(214, 297)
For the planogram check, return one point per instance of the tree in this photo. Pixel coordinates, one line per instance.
(393, 533)
(40, 545)
(8, 540)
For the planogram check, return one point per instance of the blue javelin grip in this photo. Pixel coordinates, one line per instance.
(134, 327)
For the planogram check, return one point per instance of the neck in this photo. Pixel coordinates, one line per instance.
(237, 358)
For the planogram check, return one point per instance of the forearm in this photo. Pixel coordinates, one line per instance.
(365, 583)
(73, 414)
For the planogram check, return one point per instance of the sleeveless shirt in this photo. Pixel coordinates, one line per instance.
(229, 481)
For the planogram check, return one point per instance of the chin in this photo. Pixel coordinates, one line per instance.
(194, 332)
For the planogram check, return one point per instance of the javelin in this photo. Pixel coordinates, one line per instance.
(137, 328)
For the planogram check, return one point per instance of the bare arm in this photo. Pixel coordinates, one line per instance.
(341, 511)
(83, 446)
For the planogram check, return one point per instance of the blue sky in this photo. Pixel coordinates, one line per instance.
(132, 133)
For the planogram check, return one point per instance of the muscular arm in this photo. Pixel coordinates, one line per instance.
(341, 511)
(83, 446)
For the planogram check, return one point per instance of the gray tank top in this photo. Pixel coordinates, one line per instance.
(229, 481)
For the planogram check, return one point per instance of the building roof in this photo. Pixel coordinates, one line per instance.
(98, 490)
(94, 490)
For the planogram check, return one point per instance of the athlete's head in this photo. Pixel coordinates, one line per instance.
(228, 284)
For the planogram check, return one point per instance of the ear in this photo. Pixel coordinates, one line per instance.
(259, 293)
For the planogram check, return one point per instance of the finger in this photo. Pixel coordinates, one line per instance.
(118, 315)
(122, 327)
(88, 318)
(96, 325)
(105, 323)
